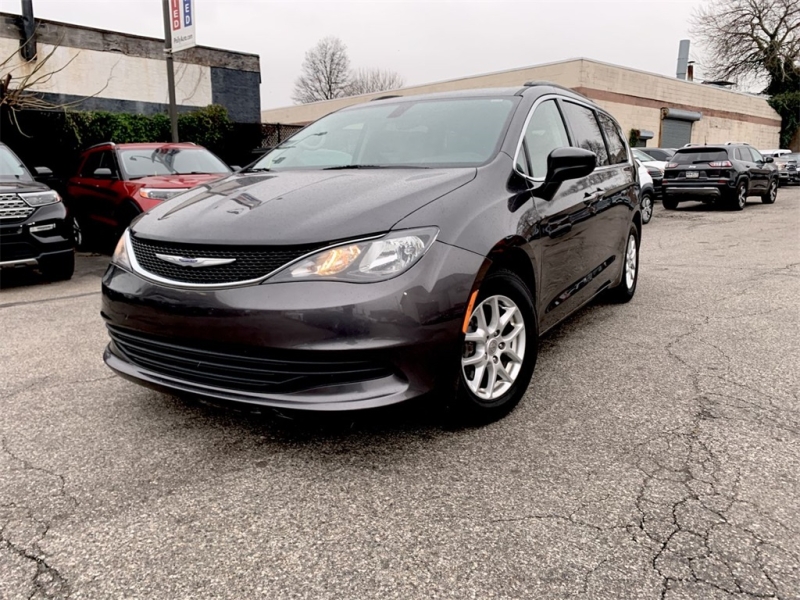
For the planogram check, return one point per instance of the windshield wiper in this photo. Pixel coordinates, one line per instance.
(257, 170)
(344, 167)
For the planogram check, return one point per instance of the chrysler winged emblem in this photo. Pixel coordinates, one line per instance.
(190, 261)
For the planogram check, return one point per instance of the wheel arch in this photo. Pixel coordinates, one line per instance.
(510, 254)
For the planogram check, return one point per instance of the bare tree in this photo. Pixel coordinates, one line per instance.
(367, 81)
(752, 40)
(326, 69)
(21, 80)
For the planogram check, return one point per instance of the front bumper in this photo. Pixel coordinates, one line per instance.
(302, 345)
(22, 245)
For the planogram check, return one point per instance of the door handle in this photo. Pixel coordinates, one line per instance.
(560, 230)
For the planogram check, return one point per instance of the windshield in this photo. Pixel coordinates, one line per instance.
(791, 157)
(426, 133)
(11, 167)
(699, 155)
(643, 156)
(169, 160)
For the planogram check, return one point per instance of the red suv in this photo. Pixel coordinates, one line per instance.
(117, 182)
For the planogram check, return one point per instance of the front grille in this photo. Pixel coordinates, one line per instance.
(251, 262)
(251, 370)
(13, 208)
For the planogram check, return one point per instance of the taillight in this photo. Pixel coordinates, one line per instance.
(672, 165)
(720, 163)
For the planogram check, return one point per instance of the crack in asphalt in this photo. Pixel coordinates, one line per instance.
(47, 582)
(45, 300)
(686, 495)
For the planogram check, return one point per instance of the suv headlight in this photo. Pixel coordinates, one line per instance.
(40, 198)
(160, 194)
(363, 261)
(120, 256)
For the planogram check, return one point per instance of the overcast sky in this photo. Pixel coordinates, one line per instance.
(423, 41)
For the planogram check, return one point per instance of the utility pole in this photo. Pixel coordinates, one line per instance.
(173, 108)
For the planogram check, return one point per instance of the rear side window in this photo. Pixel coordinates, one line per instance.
(693, 157)
(743, 155)
(545, 133)
(616, 147)
(586, 131)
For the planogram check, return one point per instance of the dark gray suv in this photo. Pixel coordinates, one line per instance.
(390, 249)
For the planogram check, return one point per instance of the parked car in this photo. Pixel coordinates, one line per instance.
(791, 167)
(662, 154)
(115, 183)
(774, 153)
(34, 229)
(655, 168)
(786, 164)
(728, 173)
(390, 249)
(646, 193)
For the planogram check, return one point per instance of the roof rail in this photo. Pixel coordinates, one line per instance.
(100, 144)
(529, 84)
(387, 97)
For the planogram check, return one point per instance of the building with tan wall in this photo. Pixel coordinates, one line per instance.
(674, 111)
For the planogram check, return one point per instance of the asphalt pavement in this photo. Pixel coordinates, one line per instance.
(656, 455)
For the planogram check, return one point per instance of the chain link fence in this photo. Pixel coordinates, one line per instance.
(273, 134)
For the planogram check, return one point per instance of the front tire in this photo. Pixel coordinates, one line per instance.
(772, 193)
(630, 270)
(58, 268)
(499, 351)
(647, 208)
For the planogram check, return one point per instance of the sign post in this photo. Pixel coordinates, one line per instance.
(179, 34)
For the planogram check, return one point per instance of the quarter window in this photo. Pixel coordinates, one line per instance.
(545, 133)
(616, 147)
(586, 131)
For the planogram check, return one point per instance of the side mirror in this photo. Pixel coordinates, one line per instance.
(103, 173)
(43, 171)
(564, 164)
(769, 159)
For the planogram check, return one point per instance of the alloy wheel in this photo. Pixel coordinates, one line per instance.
(77, 234)
(494, 347)
(647, 208)
(630, 262)
(773, 192)
(742, 198)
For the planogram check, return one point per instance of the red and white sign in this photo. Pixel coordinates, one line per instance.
(182, 17)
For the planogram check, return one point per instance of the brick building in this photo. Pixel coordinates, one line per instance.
(666, 111)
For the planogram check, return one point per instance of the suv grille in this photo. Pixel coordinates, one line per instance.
(12, 207)
(252, 370)
(251, 262)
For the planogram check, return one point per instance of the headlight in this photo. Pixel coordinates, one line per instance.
(160, 194)
(120, 256)
(363, 261)
(40, 198)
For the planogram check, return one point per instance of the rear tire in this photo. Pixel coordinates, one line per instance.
(669, 203)
(739, 200)
(58, 268)
(630, 270)
(647, 208)
(498, 353)
(772, 193)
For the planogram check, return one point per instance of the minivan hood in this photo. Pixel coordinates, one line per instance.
(177, 181)
(297, 207)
